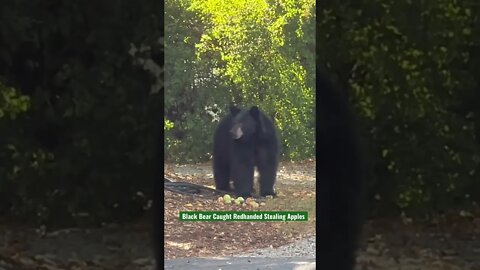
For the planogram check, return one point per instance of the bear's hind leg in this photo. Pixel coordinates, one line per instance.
(268, 175)
(267, 168)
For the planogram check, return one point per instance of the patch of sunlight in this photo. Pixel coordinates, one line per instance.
(185, 246)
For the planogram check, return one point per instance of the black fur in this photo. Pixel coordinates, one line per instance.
(245, 139)
(340, 181)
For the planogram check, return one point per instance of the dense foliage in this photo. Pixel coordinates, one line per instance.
(78, 112)
(245, 53)
(411, 67)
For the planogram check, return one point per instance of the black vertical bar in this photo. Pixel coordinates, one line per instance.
(158, 193)
(340, 181)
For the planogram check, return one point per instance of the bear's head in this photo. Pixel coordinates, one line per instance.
(246, 123)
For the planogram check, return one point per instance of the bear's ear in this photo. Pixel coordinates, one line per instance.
(254, 111)
(234, 110)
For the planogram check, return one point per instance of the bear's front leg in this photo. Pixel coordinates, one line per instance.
(242, 171)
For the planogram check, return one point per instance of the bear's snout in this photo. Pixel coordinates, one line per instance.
(236, 131)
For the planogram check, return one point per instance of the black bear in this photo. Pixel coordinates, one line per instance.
(245, 139)
(340, 180)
